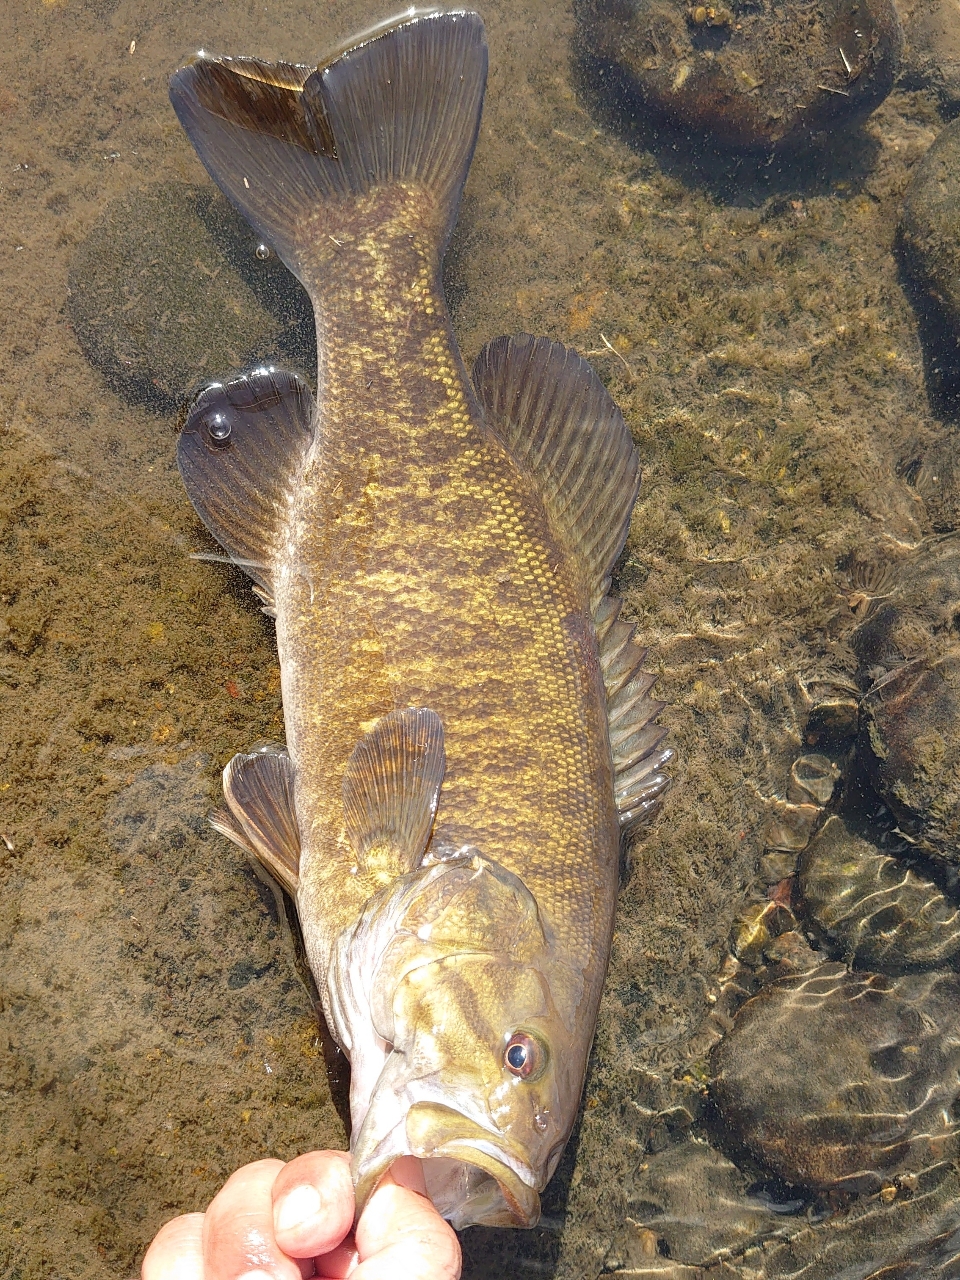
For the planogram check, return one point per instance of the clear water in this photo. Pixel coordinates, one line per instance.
(752, 322)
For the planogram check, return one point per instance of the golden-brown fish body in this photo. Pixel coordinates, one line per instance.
(421, 572)
(450, 810)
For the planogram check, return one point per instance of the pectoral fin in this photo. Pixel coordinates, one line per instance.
(391, 788)
(260, 815)
(240, 449)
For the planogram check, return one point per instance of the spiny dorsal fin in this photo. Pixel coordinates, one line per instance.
(239, 452)
(261, 816)
(390, 790)
(289, 145)
(639, 757)
(559, 423)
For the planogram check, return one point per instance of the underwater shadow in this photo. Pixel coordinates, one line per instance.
(283, 911)
(171, 289)
(275, 287)
(939, 339)
(733, 177)
(233, 582)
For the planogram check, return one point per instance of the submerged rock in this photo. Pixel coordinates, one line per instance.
(909, 652)
(693, 1202)
(790, 953)
(834, 1079)
(751, 75)
(813, 779)
(787, 826)
(876, 912)
(834, 718)
(168, 290)
(756, 928)
(932, 55)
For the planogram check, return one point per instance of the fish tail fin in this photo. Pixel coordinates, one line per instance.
(295, 147)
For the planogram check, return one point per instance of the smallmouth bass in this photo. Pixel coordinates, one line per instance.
(469, 731)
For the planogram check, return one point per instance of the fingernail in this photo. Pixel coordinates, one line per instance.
(299, 1205)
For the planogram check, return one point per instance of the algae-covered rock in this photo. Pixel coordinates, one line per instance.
(751, 75)
(843, 1080)
(164, 294)
(932, 55)
(909, 652)
(876, 911)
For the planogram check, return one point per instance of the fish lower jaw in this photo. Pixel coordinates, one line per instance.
(468, 1194)
(472, 1179)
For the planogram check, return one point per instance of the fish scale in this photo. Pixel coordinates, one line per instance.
(457, 639)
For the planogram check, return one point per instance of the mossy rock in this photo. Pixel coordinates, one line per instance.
(751, 75)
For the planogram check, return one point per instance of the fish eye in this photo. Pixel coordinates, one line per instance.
(524, 1055)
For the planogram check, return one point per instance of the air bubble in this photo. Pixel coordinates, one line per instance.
(263, 252)
(219, 429)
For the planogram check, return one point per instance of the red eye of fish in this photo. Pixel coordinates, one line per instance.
(523, 1055)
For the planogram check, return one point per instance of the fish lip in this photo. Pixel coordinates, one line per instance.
(456, 1137)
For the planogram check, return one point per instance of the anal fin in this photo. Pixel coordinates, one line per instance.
(260, 815)
(391, 788)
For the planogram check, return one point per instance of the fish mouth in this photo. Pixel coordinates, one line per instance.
(471, 1175)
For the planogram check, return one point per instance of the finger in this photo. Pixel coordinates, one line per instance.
(238, 1238)
(313, 1203)
(339, 1262)
(400, 1233)
(177, 1251)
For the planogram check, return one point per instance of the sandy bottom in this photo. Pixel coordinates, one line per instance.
(749, 318)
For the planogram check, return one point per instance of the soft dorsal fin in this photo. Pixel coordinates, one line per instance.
(390, 790)
(260, 815)
(240, 449)
(559, 423)
(636, 740)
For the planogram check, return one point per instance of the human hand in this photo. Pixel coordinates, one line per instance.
(276, 1221)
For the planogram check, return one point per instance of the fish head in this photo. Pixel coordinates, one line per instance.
(471, 1087)
(479, 1076)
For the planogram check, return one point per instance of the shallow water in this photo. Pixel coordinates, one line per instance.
(752, 322)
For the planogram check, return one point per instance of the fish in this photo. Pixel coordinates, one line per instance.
(470, 733)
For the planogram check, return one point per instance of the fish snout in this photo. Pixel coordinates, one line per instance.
(473, 1175)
